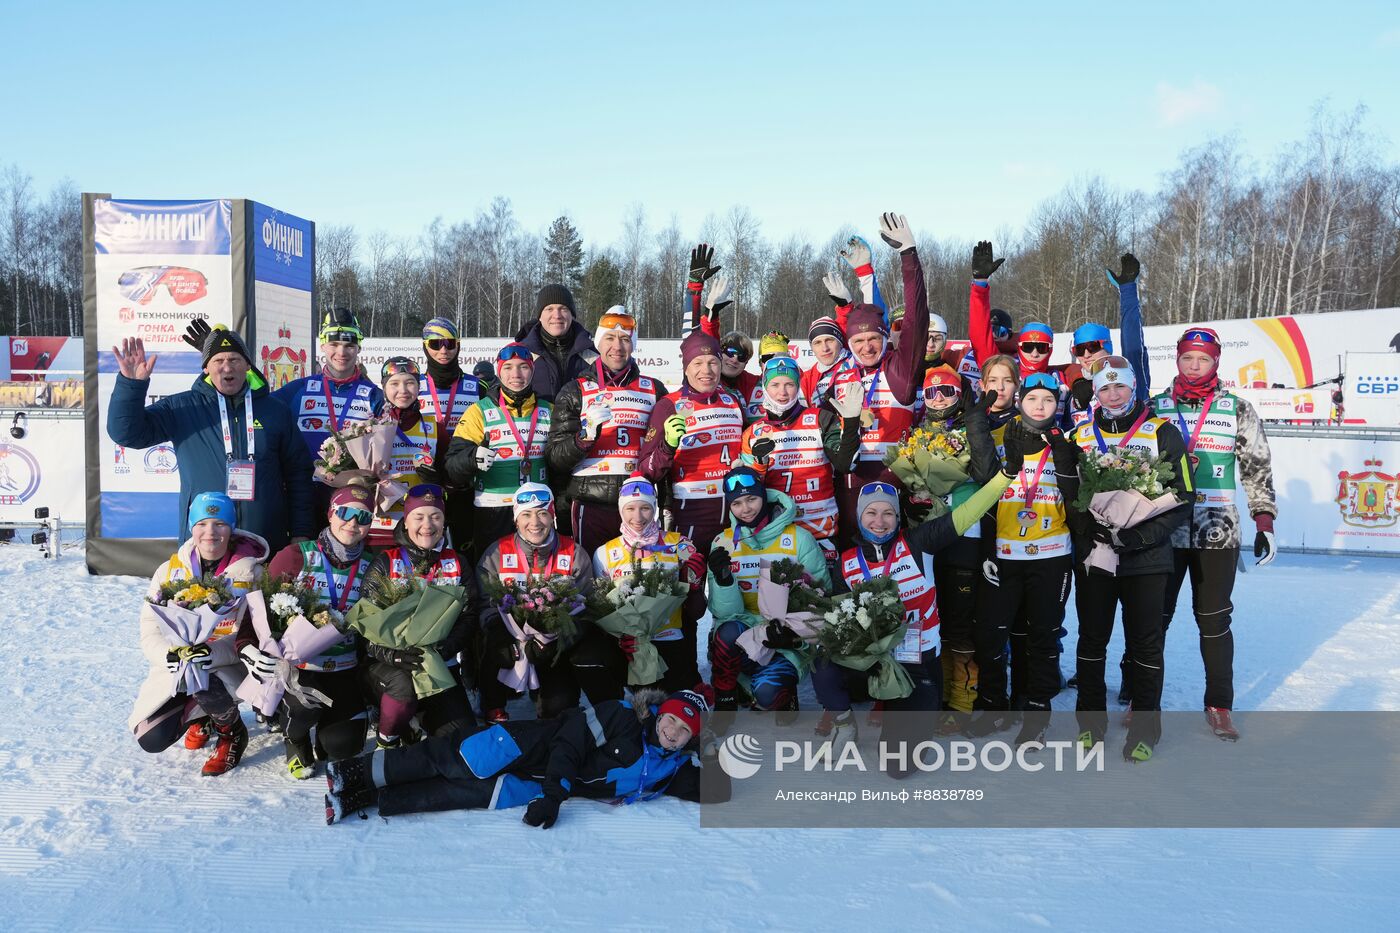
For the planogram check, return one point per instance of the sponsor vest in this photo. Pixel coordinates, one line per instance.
(353, 402)
(1214, 454)
(419, 440)
(1048, 536)
(1144, 439)
(892, 418)
(916, 590)
(497, 487)
(616, 560)
(713, 432)
(615, 450)
(800, 468)
(446, 570)
(463, 395)
(745, 560)
(516, 567)
(314, 566)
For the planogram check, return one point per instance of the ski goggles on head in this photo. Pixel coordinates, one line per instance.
(941, 390)
(637, 487)
(1001, 331)
(878, 487)
(1117, 362)
(515, 351)
(396, 365)
(440, 344)
(1035, 346)
(340, 335)
(1199, 336)
(537, 498)
(353, 513)
(736, 481)
(1087, 347)
(616, 321)
(1040, 381)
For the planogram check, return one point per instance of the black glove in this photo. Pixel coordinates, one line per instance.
(700, 268)
(1082, 392)
(542, 655)
(1129, 272)
(1064, 451)
(983, 265)
(1101, 532)
(500, 650)
(541, 812)
(778, 635)
(763, 449)
(915, 513)
(719, 566)
(195, 333)
(1013, 443)
(405, 659)
(985, 403)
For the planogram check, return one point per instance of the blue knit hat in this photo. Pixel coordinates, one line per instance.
(213, 505)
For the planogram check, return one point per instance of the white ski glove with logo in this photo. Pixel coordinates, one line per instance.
(483, 459)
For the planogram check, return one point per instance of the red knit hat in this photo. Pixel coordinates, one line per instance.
(424, 496)
(689, 705)
(696, 345)
(1202, 339)
(353, 494)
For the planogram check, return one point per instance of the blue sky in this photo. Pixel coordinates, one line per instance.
(813, 115)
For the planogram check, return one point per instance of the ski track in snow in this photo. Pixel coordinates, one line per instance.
(97, 835)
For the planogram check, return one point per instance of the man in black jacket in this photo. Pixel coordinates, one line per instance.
(621, 751)
(1144, 563)
(561, 346)
(595, 435)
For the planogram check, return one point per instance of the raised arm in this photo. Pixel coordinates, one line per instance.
(701, 271)
(903, 368)
(979, 302)
(1130, 331)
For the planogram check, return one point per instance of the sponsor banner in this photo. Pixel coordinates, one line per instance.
(1299, 405)
(65, 394)
(158, 264)
(284, 340)
(40, 469)
(1336, 490)
(38, 358)
(1372, 388)
(660, 359)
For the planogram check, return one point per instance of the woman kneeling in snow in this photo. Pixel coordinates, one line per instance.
(617, 750)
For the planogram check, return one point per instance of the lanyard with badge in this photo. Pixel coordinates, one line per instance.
(1122, 441)
(241, 473)
(338, 598)
(524, 445)
(336, 424)
(1027, 517)
(443, 415)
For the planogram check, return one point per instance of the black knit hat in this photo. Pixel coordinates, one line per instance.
(223, 340)
(555, 295)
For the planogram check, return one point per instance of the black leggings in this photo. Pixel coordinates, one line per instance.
(1097, 597)
(594, 665)
(1032, 592)
(340, 727)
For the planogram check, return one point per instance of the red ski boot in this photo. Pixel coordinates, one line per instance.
(228, 750)
(197, 735)
(1221, 725)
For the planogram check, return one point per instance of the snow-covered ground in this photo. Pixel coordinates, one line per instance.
(95, 834)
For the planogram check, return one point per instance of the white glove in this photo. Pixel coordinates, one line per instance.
(849, 400)
(485, 456)
(856, 253)
(989, 572)
(836, 288)
(894, 230)
(1267, 545)
(593, 418)
(260, 664)
(721, 293)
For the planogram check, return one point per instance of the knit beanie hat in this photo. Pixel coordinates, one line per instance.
(223, 340)
(637, 488)
(532, 496)
(440, 328)
(1202, 339)
(771, 344)
(742, 481)
(826, 327)
(689, 705)
(353, 494)
(213, 505)
(423, 496)
(696, 345)
(866, 319)
(616, 320)
(554, 295)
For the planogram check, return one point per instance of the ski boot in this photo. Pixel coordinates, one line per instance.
(300, 763)
(228, 750)
(496, 716)
(1220, 724)
(1137, 752)
(726, 708)
(384, 744)
(1089, 738)
(787, 715)
(349, 774)
(337, 805)
(987, 722)
(844, 731)
(197, 735)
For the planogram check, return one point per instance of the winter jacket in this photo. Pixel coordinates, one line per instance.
(242, 569)
(563, 451)
(550, 373)
(605, 752)
(281, 506)
(378, 579)
(489, 571)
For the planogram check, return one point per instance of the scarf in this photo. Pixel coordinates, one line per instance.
(338, 553)
(780, 414)
(444, 374)
(407, 418)
(1037, 427)
(1195, 390)
(517, 399)
(644, 538)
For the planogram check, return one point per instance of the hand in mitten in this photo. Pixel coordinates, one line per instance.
(983, 265)
(763, 449)
(541, 812)
(719, 566)
(836, 290)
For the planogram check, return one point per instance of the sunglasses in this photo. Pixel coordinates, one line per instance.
(353, 513)
(1035, 346)
(735, 353)
(1087, 347)
(638, 488)
(1202, 336)
(442, 344)
(739, 481)
(514, 353)
(941, 391)
(340, 336)
(1000, 331)
(534, 497)
(1040, 381)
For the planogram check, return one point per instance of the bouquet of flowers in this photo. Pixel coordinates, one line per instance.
(539, 609)
(861, 632)
(191, 612)
(640, 605)
(361, 452)
(931, 461)
(292, 626)
(788, 595)
(1122, 488)
(412, 614)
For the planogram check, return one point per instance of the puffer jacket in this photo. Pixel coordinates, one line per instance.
(563, 453)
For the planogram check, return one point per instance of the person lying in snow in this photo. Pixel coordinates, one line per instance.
(618, 750)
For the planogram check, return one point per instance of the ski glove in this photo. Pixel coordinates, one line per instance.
(405, 659)
(675, 430)
(501, 650)
(695, 569)
(593, 418)
(1130, 268)
(260, 664)
(721, 296)
(856, 254)
(541, 812)
(541, 655)
(836, 289)
(989, 572)
(1083, 393)
(719, 566)
(763, 449)
(701, 269)
(198, 655)
(1013, 445)
(985, 403)
(983, 265)
(1264, 548)
(196, 332)
(778, 635)
(483, 458)
(894, 230)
